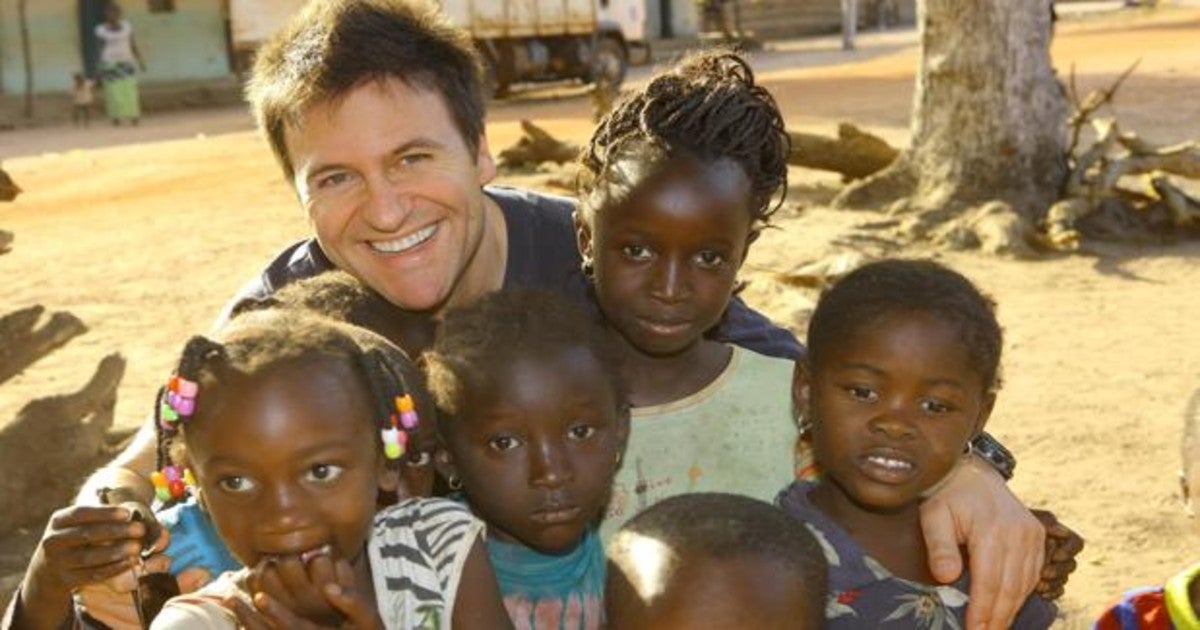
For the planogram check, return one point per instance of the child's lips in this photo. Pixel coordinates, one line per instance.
(887, 466)
(556, 514)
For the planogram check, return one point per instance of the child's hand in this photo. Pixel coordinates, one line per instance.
(1062, 545)
(86, 544)
(82, 545)
(323, 594)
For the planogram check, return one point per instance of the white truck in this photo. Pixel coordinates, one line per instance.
(520, 40)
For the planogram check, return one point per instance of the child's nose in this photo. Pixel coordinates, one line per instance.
(283, 509)
(895, 421)
(549, 465)
(670, 281)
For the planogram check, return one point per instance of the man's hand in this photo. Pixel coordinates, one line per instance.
(1005, 543)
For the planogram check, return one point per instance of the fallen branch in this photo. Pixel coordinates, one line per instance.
(535, 146)
(854, 153)
(1094, 101)
(8, 188)
(1184, 210)
(21, 344)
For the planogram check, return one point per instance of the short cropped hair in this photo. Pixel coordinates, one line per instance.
(477, 341)
(727, 527)
(885, 288)
(334, 46)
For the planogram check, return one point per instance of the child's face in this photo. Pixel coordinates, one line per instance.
(706, 592)
(537, 449)
(893, 408)
(666, 257)
(288, 460)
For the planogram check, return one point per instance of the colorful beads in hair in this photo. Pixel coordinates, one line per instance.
(403, 421)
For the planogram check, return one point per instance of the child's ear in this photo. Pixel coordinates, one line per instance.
(985, 412)
(583, 236)
(800, 389)
(1186, 491)
(388, 475)
(443, 461)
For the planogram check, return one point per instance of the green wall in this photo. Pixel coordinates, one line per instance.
(187, 44)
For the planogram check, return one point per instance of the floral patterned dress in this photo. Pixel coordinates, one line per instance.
(864, 594)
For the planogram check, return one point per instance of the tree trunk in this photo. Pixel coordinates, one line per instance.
(23, 21)
(989, 119)
(849, 23)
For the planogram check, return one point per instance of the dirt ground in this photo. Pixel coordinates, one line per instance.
(145, 241)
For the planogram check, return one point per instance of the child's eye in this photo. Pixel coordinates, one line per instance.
(636, 252)
(710, 259)
(503, 443)
(935, 406)
(235, 483)
(581, 431)
(324, 473)
(417, 459)
(860, 392)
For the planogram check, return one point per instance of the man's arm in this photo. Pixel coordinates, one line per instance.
(746, 327)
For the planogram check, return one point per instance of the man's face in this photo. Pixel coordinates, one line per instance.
(392, 190)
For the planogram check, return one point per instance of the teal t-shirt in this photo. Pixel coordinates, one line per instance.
(551, 592)
(736, 435)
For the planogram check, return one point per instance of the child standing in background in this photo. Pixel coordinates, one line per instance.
(902, 369)
(82, 98)
(534, 424)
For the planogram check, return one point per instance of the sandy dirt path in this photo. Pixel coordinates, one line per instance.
(144, 242)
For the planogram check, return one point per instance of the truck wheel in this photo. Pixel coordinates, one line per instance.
(610, 63)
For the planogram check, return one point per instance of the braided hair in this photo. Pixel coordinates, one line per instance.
(708, 107)
(258, 340)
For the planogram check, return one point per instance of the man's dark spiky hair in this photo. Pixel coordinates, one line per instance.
(708, 107)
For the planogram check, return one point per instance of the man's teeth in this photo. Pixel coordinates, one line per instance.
(406, 243)
(889, 463)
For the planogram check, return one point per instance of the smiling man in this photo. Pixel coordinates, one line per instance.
(374, 110)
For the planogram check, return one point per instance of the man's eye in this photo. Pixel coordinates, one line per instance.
(324, 473)
(859, 392)
(331, 180)
(710, 259)
(503, 443)
(636, 252)
(581, 431)
(235, 483)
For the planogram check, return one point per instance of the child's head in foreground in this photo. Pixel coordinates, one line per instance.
(901, 373)
(532, 417)
(677, 181)
(291, 423)
(714, 561)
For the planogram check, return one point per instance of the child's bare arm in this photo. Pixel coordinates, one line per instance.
(478, 603)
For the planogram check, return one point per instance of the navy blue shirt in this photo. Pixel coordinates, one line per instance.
(541, 254)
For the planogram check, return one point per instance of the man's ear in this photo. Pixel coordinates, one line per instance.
(485, 164)
(583, 236)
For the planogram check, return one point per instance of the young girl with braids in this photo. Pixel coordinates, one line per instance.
(290, 424)
(533, 422)
(679, 180)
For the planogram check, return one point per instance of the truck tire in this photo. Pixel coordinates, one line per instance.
(610, 63)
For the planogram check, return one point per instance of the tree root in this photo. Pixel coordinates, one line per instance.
(6, 240)
(21, 344)
(73, 430)
(896, 182)
(8, 188)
